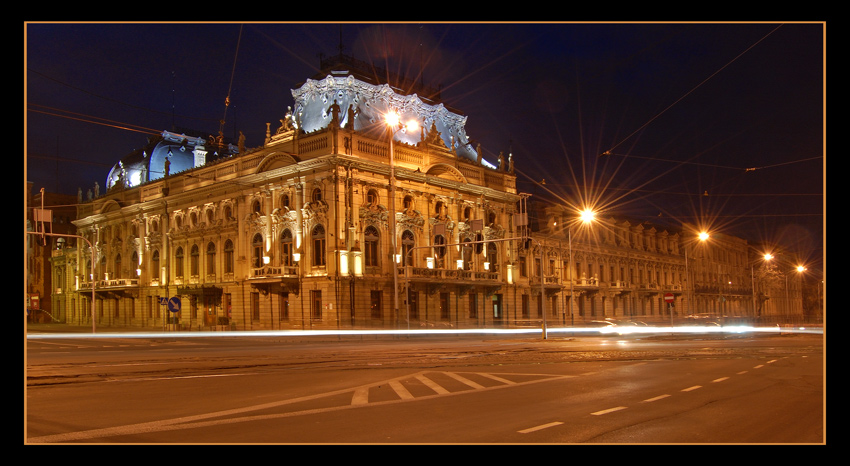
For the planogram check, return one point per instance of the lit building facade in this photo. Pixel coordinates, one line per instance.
(340, 221)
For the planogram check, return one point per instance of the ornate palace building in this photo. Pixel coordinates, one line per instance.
(341, 220)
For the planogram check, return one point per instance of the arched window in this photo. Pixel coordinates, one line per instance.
(155, 264)
(178, 262)
(117, 271)
(408, 242)
(493, 257)
(439, 249)
(257, 254)
(134, 259)
(466, 252)
(194, 261)
(211, 258)
(228, 256)
(408, 202)
(286, 248)
(479, 244)
(316, 196)
(284, 201)
(257, 207)
(372, 197)
(370, 241)
(318, 237)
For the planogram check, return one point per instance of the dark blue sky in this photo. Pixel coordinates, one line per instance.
(683, 109)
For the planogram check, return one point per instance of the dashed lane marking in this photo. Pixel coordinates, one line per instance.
(609, 410)
(540, 427)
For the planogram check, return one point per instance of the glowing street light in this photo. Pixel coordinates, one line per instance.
(587, 215)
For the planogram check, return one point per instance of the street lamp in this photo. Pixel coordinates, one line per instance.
(587, 217)
(702, 237)
(393, 126)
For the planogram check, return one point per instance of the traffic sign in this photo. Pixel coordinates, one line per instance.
(669, 297)
(174, 304)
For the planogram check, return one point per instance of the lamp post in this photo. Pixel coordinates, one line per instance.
(587, 216)
(393, 126)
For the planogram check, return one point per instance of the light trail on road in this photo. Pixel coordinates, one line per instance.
(616, 330)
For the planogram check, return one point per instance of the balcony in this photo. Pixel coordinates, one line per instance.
(457, 275)
(269, 271)
(115, 283)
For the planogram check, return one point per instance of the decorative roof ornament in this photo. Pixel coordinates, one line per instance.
(367, 104)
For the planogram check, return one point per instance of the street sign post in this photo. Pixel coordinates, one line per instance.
(174, 304)
(669, 298)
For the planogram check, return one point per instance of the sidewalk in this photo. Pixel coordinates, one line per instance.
(65, 328)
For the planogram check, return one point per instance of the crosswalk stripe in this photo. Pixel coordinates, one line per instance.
(361, 396)
(432, 385)
(400, 390)
(464, 380)
(497, 378)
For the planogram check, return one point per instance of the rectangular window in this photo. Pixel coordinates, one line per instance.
(283, 311)
(316, 304)
(413, 303)
(525, 312)
(523, 272)
(375, 304)
(496, 301)
(255, 306)
(319, 252)
(445, 312)
(473, 305)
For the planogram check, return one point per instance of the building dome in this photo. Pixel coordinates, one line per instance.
(149, 163)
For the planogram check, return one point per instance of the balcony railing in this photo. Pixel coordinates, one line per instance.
(113, 283)
(274, 271)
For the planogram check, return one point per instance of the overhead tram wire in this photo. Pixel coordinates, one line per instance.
(608, 152)
(230, 86)
(91, 119)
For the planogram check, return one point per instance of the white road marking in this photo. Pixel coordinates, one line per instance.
(609, 410)
(400, 390)
(432, 385)
(540, 427)
(464, 380)
(360, 397)
(691, 388)
(496, 378)
(721, 379)
(656, 398)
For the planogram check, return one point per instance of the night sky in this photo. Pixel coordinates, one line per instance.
(719, 125)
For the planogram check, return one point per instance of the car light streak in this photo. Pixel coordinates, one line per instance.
(615, 330)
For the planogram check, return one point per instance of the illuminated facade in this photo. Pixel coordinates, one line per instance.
(298, 233)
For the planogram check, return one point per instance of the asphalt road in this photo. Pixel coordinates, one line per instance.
(695, 389)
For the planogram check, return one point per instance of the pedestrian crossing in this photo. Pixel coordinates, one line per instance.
(428, 384)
